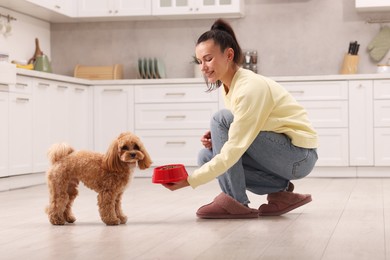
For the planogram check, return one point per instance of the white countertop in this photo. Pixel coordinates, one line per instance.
(69, 79)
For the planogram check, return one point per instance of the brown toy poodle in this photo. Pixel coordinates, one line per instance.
(107, 174)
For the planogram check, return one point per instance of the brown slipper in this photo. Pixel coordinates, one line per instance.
(225, 207)
(282, 202)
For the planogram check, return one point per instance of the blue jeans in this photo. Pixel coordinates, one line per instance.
(268, 165)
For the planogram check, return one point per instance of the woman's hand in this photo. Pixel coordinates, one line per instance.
(206, 140)
(176, 185)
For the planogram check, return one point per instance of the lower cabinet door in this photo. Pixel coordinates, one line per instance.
(333, 147)
(20, 134)
(382, 151)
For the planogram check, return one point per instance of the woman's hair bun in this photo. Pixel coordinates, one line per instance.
(222, 25)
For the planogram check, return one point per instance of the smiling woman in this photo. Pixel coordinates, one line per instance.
(259, 143)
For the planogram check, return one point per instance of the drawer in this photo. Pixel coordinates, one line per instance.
(23, 85)
(167, 147)
(318, 90)
(381, 113)
(382, 89)
(174, 116)
(174, 93)
(327, 113)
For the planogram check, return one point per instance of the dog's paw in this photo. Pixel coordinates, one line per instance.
(56, 220)
(70, 219)
(113, 222)
(123, 219)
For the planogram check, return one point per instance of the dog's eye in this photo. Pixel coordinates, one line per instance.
(125, 147)
(136, 147)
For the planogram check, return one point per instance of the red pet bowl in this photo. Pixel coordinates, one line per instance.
(169, 173)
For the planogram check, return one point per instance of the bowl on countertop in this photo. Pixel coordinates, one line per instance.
(383, 68)
(170, 173)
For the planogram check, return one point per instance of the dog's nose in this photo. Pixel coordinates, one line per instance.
(132, 155)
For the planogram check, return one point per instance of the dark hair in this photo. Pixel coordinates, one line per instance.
(223, 35)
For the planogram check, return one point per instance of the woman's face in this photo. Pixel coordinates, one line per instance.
(213, 63)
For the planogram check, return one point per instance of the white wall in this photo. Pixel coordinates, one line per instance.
(21, 43)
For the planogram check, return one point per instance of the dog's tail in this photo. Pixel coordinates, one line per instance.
(58, 151)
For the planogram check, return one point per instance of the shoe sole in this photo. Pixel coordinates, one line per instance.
(229, 216)
(288, 209)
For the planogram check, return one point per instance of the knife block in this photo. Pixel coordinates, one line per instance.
(350, 64)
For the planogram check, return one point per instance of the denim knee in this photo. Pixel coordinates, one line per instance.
(222, 117)
(204, 156)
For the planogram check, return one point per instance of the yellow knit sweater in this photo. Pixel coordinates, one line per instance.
(258, 104)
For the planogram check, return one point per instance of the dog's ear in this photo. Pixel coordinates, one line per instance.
(146, 162)
(111, 159)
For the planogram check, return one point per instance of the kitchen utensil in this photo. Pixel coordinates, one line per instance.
(350, 64)
(37, 53)
(170, 173)
(42, 63)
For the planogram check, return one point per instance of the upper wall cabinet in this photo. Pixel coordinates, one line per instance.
(64, 7)
(118, 10)
(106, 8)
(197, 8)
(372, 5)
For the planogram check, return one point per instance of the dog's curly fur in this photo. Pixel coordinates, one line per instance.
(107, 174)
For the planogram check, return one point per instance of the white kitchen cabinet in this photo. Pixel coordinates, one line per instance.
(361, 131)
(382, 122)
(333, 147)
(326, 103)
(172, 146)
(70, 113)
(65, 7)
(20, 131)
(174, 116)
(113, 114)
(61, 114)
(198, 8)
(171, 118)
(106, 8)
(372, 5)
(3, 133)
(80, 121)
(42, 123)
(381, 142)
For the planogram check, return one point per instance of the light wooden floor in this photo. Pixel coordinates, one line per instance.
(348, 219)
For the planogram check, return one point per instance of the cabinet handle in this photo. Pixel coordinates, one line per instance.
(297, 92)
(63, 87)
(57, 6)
(113, 90)
(21, 85)
(175, 142)
(175, 94)
(43, 85)
(175, 117)
(18, 99)
(79, 89)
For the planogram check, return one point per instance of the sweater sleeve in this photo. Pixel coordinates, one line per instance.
(251, 107)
